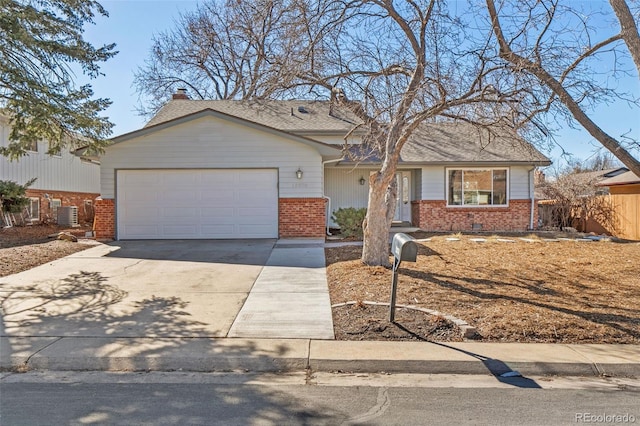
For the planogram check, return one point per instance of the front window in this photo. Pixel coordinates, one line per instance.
(477, 187)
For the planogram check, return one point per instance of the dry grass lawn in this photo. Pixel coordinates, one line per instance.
(563, 292)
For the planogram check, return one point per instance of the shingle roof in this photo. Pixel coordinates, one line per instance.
(594, 177)
(430, 143)
(626, 178)
(463, 143)
(298, 117)
(598, 175)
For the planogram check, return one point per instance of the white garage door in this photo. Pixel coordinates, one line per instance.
(190, 204)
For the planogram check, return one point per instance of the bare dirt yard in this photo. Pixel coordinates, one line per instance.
(25, 247)
(511, 291)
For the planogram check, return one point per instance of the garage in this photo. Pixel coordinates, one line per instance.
(197, 204)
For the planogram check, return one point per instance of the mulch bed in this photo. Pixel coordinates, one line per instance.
(371, 322)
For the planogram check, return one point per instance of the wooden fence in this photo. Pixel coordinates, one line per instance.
(626, 202)
(624, 206)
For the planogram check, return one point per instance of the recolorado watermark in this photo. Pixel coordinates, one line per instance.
(605, 418)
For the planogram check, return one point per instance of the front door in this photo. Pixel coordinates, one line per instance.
(403, 205)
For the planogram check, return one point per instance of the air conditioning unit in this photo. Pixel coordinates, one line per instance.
(68, 216)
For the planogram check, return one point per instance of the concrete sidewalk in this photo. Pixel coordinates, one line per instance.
(290, 297)
(154, 306)
(260, 355)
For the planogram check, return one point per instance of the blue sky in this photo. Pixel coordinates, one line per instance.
(132, 23)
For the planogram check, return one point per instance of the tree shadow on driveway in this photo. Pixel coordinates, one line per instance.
(86, 305)
(81, 317)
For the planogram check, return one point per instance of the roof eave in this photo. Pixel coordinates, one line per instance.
(323, 148)
(327, 132)
(636, 182)
(82, 154)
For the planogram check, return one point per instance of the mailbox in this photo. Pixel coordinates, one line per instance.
(403, 247)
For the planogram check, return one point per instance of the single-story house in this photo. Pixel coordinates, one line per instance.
(624, 191)
(269, 169)
(62, 180)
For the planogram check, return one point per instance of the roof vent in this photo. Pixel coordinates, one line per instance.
(181, 93)
(302, 110)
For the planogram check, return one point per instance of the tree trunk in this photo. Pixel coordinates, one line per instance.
(629, 29)
(380, 212)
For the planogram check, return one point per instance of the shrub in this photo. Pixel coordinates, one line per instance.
(350, 221)
(12, 196)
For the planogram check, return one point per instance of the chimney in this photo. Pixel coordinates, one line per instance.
(181, 93)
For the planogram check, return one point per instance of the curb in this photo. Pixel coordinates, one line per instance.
(476, 358)
(274, 355)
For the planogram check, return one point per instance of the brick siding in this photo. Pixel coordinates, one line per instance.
(104, 226)
(301, 217)
(85, 212)
(298, 217)
(434, 215)
(306, 217)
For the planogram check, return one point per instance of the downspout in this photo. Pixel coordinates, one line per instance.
(532, 195)
(325, 196)
(327, 216)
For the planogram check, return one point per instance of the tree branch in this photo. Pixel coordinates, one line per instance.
(522, 63)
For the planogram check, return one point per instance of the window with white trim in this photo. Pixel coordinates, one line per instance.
(54, 203)
(477, 187)
(34, 209)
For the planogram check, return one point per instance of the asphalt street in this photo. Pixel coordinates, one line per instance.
(323, 399)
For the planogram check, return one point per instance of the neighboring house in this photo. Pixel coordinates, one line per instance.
(61, 180)
(624, 190)
(578, 180)
(268, 169)
(572, 188)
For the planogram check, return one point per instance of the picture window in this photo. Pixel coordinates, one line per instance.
(477, 187)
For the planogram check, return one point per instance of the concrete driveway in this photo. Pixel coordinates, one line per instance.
(135, 289)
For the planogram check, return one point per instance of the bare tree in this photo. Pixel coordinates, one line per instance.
(552, 47)
(597, 162)
(223, 50)
(397, 65)
(577, 199)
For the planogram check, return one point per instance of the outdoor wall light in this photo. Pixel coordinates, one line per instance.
(299, 173)
(362, 181)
